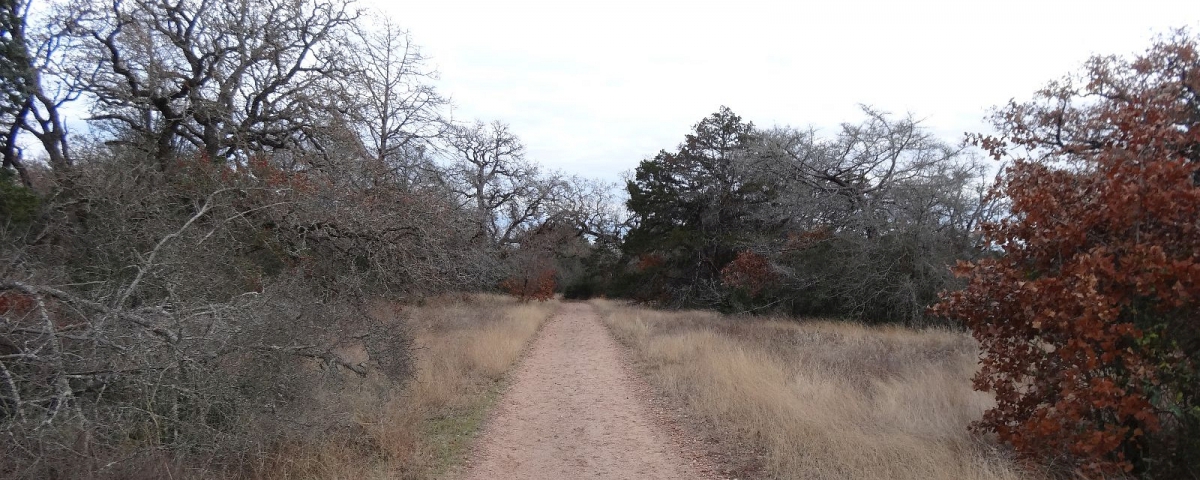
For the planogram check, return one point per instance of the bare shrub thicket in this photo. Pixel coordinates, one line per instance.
(181, 286)
(463, 347)
(177, 313)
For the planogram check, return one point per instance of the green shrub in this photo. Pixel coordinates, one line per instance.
(18, 205)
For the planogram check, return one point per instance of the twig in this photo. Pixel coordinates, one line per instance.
(161, 331)
(330, 358)
(14, 394)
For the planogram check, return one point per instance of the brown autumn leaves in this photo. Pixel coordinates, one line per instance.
(1086, 313)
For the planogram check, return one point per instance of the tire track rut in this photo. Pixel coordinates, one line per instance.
(573, 410)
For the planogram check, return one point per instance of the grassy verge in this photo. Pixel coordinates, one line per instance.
(460, 365)
(463, 348)
(821, 400)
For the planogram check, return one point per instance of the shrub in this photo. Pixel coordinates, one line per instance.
(750, 272)
(1088, 319)
(539, 286)
(17, 203)
(581, 290)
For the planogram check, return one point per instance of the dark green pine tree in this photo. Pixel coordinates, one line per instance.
(692, 208)
(15, 78)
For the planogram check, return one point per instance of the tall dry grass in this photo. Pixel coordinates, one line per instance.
(464, 345)
(822, 400)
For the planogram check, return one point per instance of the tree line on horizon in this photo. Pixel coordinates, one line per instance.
(860, 224)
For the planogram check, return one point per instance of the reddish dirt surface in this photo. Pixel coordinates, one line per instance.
(575, 410)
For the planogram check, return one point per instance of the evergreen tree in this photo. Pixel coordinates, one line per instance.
(691, 209)
(15, 79)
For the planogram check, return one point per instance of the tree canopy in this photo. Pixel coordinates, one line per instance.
(1088, 317)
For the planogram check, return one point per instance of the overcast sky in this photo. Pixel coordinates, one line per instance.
(593, 87)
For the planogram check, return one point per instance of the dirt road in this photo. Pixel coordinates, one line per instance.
(574, 410)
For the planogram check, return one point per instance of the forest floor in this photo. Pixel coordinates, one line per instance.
(576, 409)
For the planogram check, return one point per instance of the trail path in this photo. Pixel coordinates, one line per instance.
(574, 410)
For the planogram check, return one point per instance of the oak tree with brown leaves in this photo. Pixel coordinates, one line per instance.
(1087, 314)
(750, 272)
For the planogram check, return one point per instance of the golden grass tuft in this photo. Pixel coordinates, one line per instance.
(463, 347)
(822, 400)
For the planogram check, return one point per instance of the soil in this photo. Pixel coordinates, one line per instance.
(575, 409)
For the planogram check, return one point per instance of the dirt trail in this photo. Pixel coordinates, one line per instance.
(575, 411)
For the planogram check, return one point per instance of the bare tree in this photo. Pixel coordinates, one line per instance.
(489, 172)
(849, 177)
(592, 209)
(225, 78)
(14, 83)
(396, 110)
(894, 205)
(37, 87)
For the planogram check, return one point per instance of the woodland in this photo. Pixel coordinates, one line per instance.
(255, 176)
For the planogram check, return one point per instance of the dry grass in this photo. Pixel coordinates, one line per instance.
(821, 400)
(464, 346)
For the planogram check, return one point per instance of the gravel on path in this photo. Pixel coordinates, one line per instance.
(575, 410)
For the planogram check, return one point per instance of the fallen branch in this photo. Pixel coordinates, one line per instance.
(38, 291)
(329, 357)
